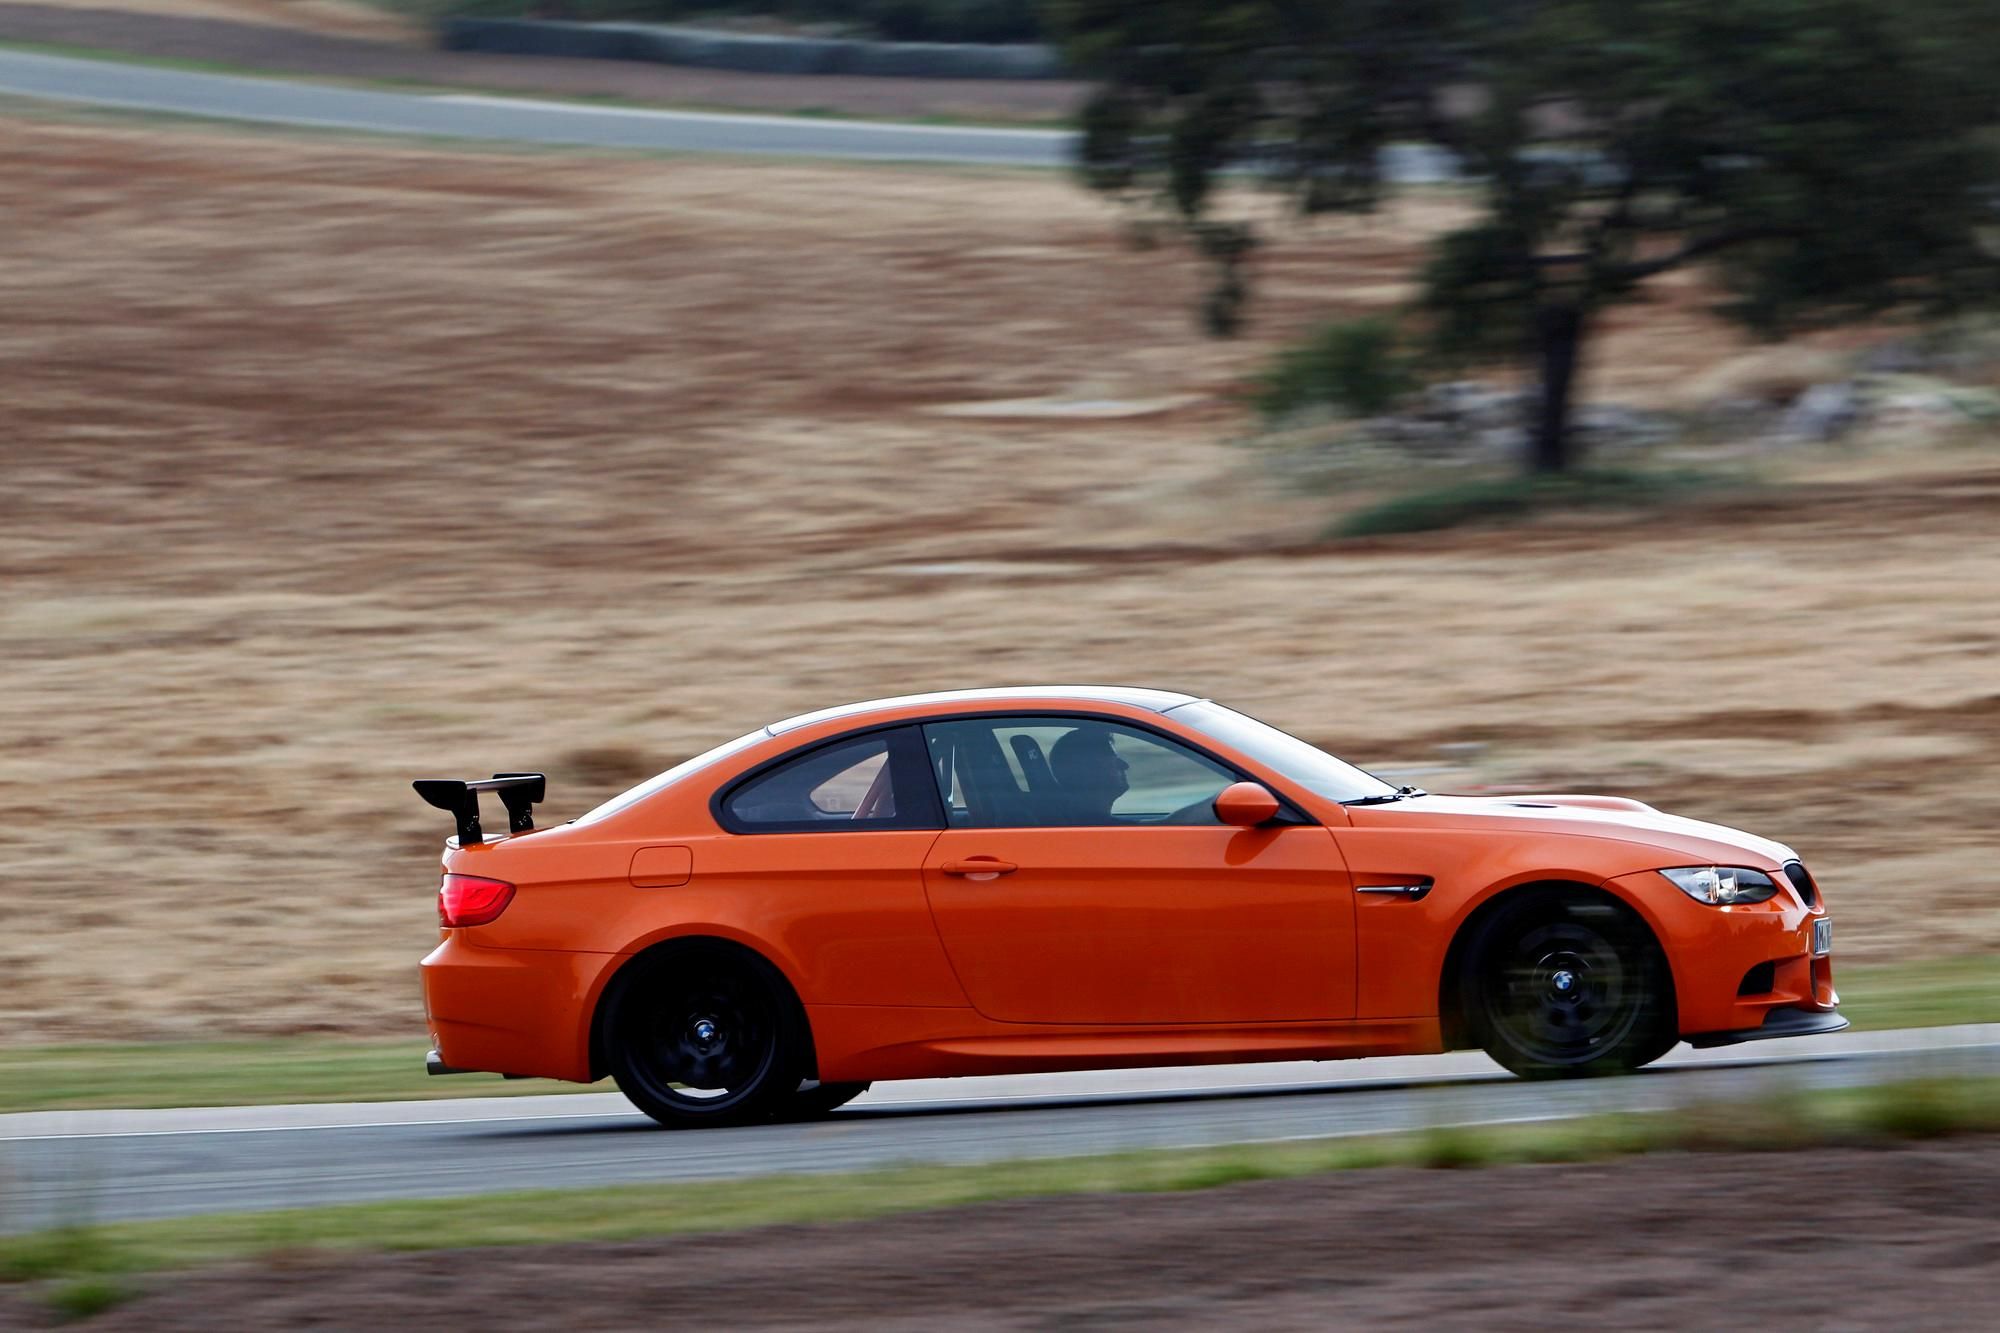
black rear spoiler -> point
(519, 792)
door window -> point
(1029, 772)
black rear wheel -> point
(1559, 985)
(810, 1103)
(703, 1035)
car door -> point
(1082, 877)
(822, 855)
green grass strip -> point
(323, 1069)
(257, 1072)
(63, 1259)
(1937, 992)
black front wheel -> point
(1562, 985)
(703, 1035)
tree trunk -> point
(1559, 331)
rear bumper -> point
(434, 1064)
(524, 1012)
(1777, 1023)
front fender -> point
(1403, 943)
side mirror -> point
(1245, 804)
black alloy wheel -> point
(1563, 986)
(704, 1035)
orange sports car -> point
(1010, 880)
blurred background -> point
(1506, 395)
(335, 460)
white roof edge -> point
(1133, 696)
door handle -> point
(979, 867)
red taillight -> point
(469, 900)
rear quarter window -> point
(848, 785)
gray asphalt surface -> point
(107, 1166)
(279, 102)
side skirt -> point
(863, 1044)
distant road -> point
(462, 116)
(113, 1165)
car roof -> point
(1158, 701)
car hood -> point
(1679, 840)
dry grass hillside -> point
(328, 465)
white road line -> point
(286, 1129)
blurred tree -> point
(1827, 159)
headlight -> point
(1722, 885)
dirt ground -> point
(1843, 1238)
(329, 465)
(329, 39)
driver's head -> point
(1088, 768)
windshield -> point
(672, 775)
(1308, 765)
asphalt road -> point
(454, 116)
(116, 1165)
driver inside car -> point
(1090, 774)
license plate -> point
(1822, 937)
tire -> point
(820, 1099)
(1563, 985)
(703, 1035)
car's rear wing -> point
(519, 792)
